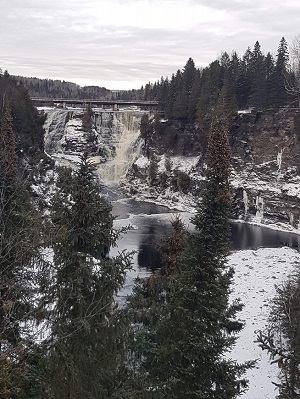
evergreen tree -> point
(26, 122)
(185, 324)
(153, 169)
(19, 237)
(8, 157)
(293, 83)
(257, 78)
(171, 98)
(269, 70)
(85, 344)
(243, 84)
(179, 97)
(199, 326)
(281, 337)
(193, 100)
(211, 84)
(146, 306)
(280, 75)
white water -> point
(246, 202)
(259, 208)
(126, 129)
(116, 146)
(54, 129)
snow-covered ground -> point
(256, 274)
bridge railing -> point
(94, 101)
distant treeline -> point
(252, 80)
(48, 88)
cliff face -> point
(170, 169)
(265, 164)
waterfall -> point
(291, 219)
(55, 128)
(113, 143)
(259, 208)
(279, 162)
(126, 134)
(246, 202)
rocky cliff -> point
(265, 166)
(168, 165)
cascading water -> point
(126, 132)
(113, 143)
(54, 128)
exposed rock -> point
(265, 164)
(265, 159)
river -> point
(150, 222)
(257, 272)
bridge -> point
(115, 104)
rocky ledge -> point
(265, 170)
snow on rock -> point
(265, 176)
(183, 163)
(245, 111)
(142, 162)
(291, 189)
(256, 274)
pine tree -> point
(8, 159)
(258, 78)
(183, 323)
(153, 169)
(19, 238)
(243, 84)
(281, 337)
(199, 325)
(269, 69)
(280, 75)
(146, 306)
(85, 344)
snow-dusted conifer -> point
(85, 322)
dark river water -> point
(151, 222)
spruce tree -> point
(184, 325)
(85, 343)
(200, 325)
(146, 306)
(280, 75)
(153, 169)
(258, 78)
(19, 236)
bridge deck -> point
(77, 101)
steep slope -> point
(265, 165)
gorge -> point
(265, 164)
(264, 181)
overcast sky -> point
(122, 44)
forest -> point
(62, 332)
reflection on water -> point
(148, 253)
(152, 222)
(245, 236)
(242, 236)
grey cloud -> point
(55, 39)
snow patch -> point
(142, 162)
(256, 273)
